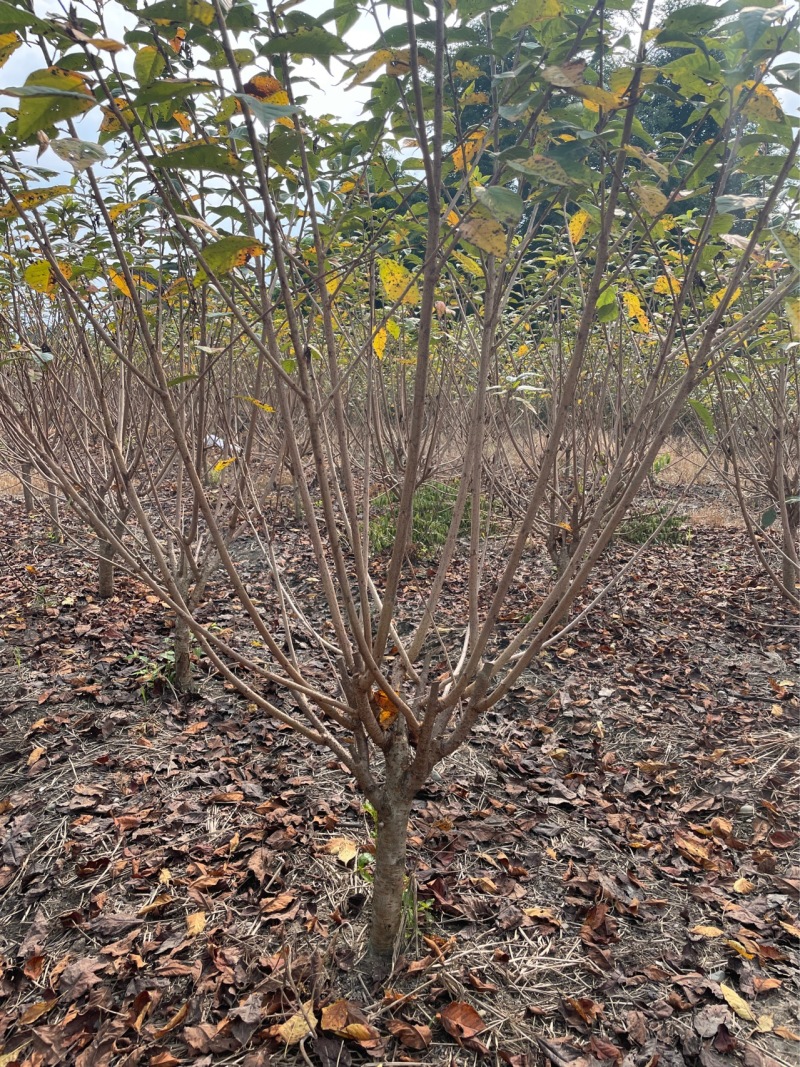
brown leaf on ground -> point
(411, 1035)
(460, 1020)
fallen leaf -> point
(410, 1035)
(739, 1005)
(460, 1020)
(295, 1028)
(343, 848)
(195, 923)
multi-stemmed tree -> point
(483, 281)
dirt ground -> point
(607, 874)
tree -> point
(261, 286)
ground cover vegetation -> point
(374, 421)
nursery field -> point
(607, 873)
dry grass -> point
(716, 517)
(687, 466)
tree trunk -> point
(105, 569)
(183, 661)
(790, 568)
(390, 872)
(53, 508)
(27, 487)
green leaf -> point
(541, 167)
(148, 65)
(267, 113)
(769, 516)
(242, 56)
(211, 157)
(229, 252)
(703, 413)
(790, 243)
(13, 17)
(180, 11)
(527, 13)
(80, 154)
(502, 204)
(739, 203)
(48, 96)
(312, 41)
(174, 89)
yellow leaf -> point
(577, 226)
(452, 218)
(471, 99)
(379, 342)
(467, 71)
(634, 309)
(465, 153)
(42, 278)
(295, 1029)
(765, 1024)
(195, 923)
(667, 285)
(347, 187)
(32, 198)
(739, 948)
(9, 43)
(706, 931)
(259, 403)
(652, 199)
(183, 121)
(383, 55)
(594, 97)
(790, 928)
(107, 44)
(178, 287)
(740, 1006)
(398, 282)
(716, 298)
(487, 234)
(792, 305)
(223, 463)
(757, 101)
(118, 209)
(470, 265)
(117, 279)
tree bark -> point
(390, 872)
(105, 569)
(27, 487)
(790, 566)
(53, 508)
(183, 661)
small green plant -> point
(664, 529)
(432, 515)
(154, 673)
(661, 464)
